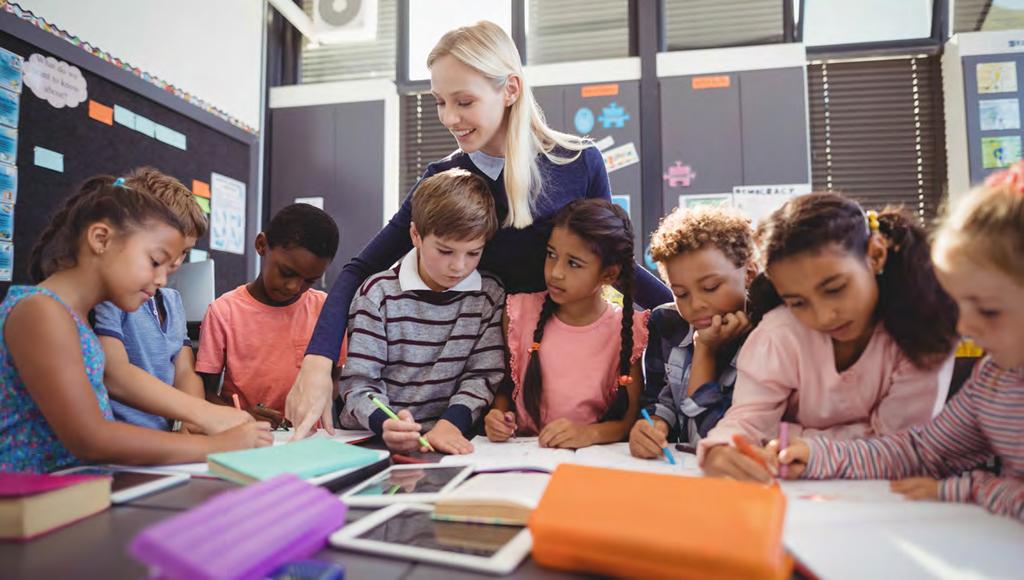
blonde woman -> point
(533, 171)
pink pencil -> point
(783, 443)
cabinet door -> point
(773, 106)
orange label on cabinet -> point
(712, 82)
(600, 90)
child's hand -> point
(647, 441)
(446, 438)
(727, 461)
(723, 330)
(499, 425)
(261, 413)
(244, 436)
(917, 488)
(402, 436)
(217, 418)
(793, 457)
(565, 434)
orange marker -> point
(745, 448)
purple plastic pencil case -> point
(244, 533)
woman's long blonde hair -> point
(486, 48)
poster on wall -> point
(999, 114)
(6, 261)
(999, 152)
(997, 77)
(227, 215)
(11, 67)
(55, 81)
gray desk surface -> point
(96, 547)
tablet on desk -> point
(407, 483)
(407, 531)
(129, 484)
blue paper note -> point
(6, 221)
(145, 126)
(6, 261)
(8, 183)
(198, 255)
(8, 145)
(49, 159)
(171, 137)
(123, 116)
(9, 108)
(11, 70)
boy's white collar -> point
(490, 165)
(409, 277)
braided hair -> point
(606, 229)
(100, 198)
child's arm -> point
(500, 421)
(910, 400)
(185, 378)
(363, 370)
(55, 377)
(565, 433)
(131, 385)
(481, 376)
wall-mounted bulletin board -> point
(66, 115)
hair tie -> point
(872, 218)
(625, 380)
(1012, 178)
(535, 347)
(119, 182)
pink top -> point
(786, 371)
(579, 364)
(259, 347)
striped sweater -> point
(441, 355)
(985, 418)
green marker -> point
(390, 413)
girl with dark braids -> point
(574, 358)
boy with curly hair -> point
(705, 255)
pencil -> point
(668, 454)
(387, 410)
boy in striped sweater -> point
(977, 256)
(425, 337)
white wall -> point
(209, 48)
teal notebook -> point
(307, 458)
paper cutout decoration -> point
(613, 115)
(711, 82)
(100, 112)
(11, 69)
(49, 159)
(203, 202)
(621, 201)
(123, 116)
(583, 120)
(619, 157)
(606, 90)
(145, 126)
(171, 137)
(200, 188)
(679, 175)
(55, 81)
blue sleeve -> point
(715, 403)
(174, 298)
(385, 249)
(648, 290)
(109, 320)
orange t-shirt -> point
(259, 347)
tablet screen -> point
(405, 481)
(123, 479)
(414, 527)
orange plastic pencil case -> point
(634, 524)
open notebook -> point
(523, 453)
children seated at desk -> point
(862, 343)
(148, 349)
(574, 357)
(108, 242)
(978, 257)
(706, 257)
(257, 333)
(425, 336)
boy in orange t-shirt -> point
(257, 333)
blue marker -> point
(668, 454)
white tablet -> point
(407, 531)
(131, 483)
(407, 483)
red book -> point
(33, 504)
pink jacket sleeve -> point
(766, 377)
